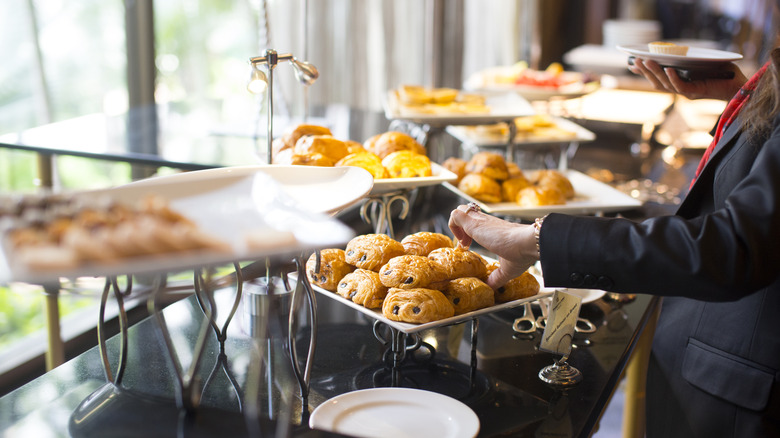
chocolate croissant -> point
(416, 305)
(411, 271)
(459, 262)
(423, 242)
(468, 294)
(333, 267)
(371, 251)
(363, 287)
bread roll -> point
(457, 166)
(511, 187)
(326, 145)
(365, 160)
(407, 164)
(534, 196)
(392, 141)
(554, 179)
(489, 164)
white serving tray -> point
(466, 135)
(591, 197)
(502, 107)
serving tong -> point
(527, 323)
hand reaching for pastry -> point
(514, 244)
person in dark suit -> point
(715, 361)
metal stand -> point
(377, 210)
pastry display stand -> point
(378, 210)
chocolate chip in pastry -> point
(481, 188)
(416, 305)
(423, 242)
(407, 164)
(489, 164)
(411, 271)
(459, 262)
(333, 267)
(371, 251)
(524, 286)
(468, 294)
(363, 287)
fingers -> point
(458, 217)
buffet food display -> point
(420, 281)
(532, 84)
(536, 129)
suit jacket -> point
(715, 363)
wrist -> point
(537, 226)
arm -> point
(666, 79)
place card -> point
(561, 322)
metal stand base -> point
(560, 374)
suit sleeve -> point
(721, 255)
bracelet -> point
(537, 230)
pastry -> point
(514, 170)
(457, 166)
(407, 164)
(416, 305)
(363, 287)
(511, 187)
(365, 160)
(411, 271)
(534, 196)
(468, 294)
(392, 141)
(326, 145)
(423, 242)
(459, 262)
(333, 267)
(480, 187)
(489, 164)
(371, 251)
(666, 48)
(354, 146)
(311, 160)
(555, 179)
(304, 130)
(524, 286)
(285, 156)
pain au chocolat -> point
(416, 305)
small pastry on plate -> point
(468, 294)
(555, 179)
(411, 271)
(489, 164)
(407, 164)
(326, 145)
(423, 242)
(416, 305)
(365, 160)
(457, 166)
(333, 267)
(534, 196)
(667, 48)
(511, 187)
(460, 262)
(514, 170)
(524, 286)
(371, 251)
(310, 160)
(481, 187)
(392, 141)
(363, 287)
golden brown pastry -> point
(411, 271)
(554, 179)
(423, 242)
(310, 160)
(365, 160)
(354, 146)
(460, 262)
(333, 267)
(511, 187)
(326, 145)
(524, 286)
(534, 196)
(407, 164)
(304, 130)
(416, 305)
(285, 156)
(392, 141)
(457, 166)
(371, 251)
(481, 187)
(489, 164)
(468, 294)
(514, 170)
(363, 287)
